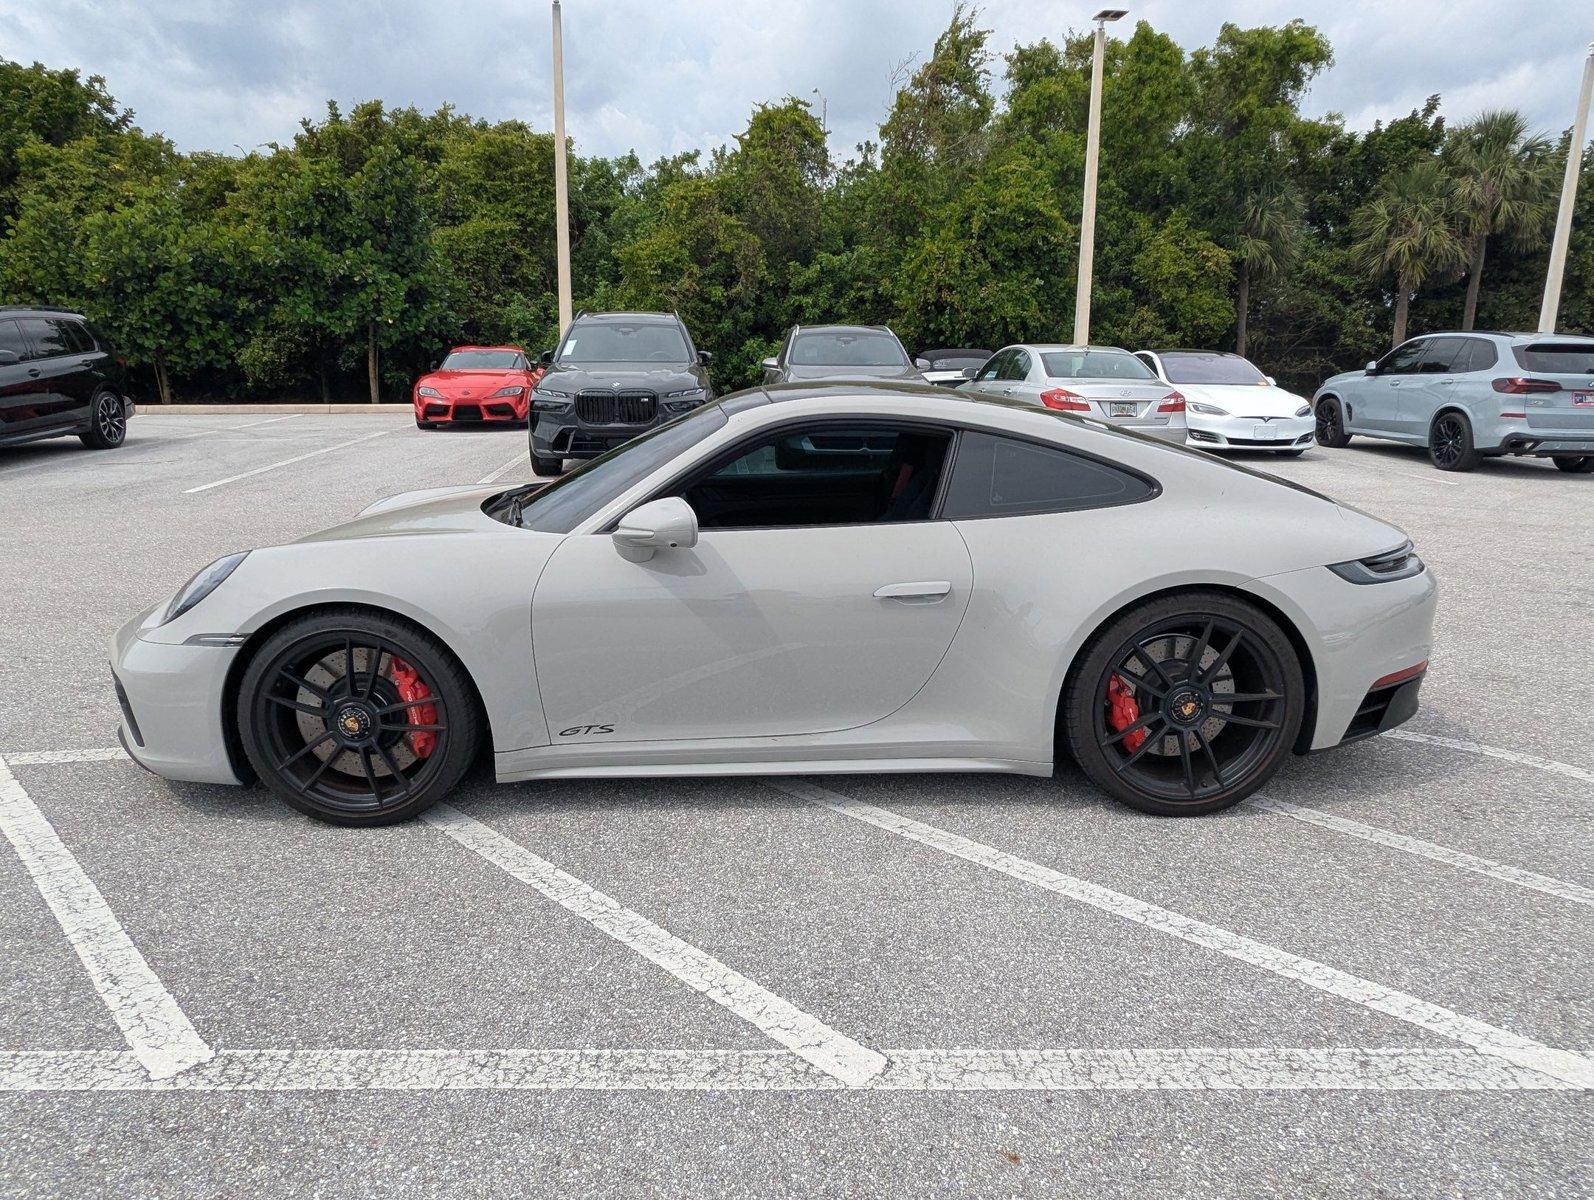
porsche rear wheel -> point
(357, 718)
(1185, 705)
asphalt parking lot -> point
(1374, 981)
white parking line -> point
(1511, 756)
(164, 1042)
(267, 421)
(1524, 1051)
(805, 1035)
(1455, 858)
(519, 460)
(35, 758)
(287, 462)
(1335, 1068)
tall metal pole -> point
(561, 182)
(1563, 219)
(1087, 220)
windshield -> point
(1210, 368)
(1094, 364)
(860, 348)
(1557, 358)
(483, 360)
(958, 361)
(572, 498)
(624, 341)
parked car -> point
(1468, 396)
(815, 578)
(476, 385)
(840, 352)
(613, 376)
(1104, 382)
(59, 376)
(950, 368)
(1229, 403)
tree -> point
(1269, 240)
(1504, 185)
(1411, 229)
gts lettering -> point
(585, 730)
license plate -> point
(1122, 410)
(1583, 398)
(1266, 433)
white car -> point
(826, 577)
(1231, 404)
(1104, 382)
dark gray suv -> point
(614, 375)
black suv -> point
(58, 375)
(615, 375)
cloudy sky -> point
(665, 75)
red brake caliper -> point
(1124, 711)
(410, 688)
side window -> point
(1020, 367)
(1479, 356)
(1441, 356)
(1403, 359)
(46, 336)
(11, 339)
(993, 366)
(1003, 477)
(75, 336)
(823, 474)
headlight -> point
(1304, 410)
(201, 585)
(427, 391)
(542, 391)
(1399, 563)
(694, 393)
(550, 401)
(509, 391)
(1206, 410)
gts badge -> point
(586, 730)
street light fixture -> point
(1087, 220)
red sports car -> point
(476, 385)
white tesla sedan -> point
(807, 578)
(1229, 403)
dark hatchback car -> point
(614, 375)
(59, 376)
(840, 352)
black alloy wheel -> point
(357, 718)
(1450, 445)
(1330, 422)
(1186, 705)
(1580, 465)
(107, 422)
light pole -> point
(561, 182)
(1087, 219)
(1563, 219)
(824, 114)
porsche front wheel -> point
(1185, 705)
(357, 718)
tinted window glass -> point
(823, 474)
(624, 341)
(993, 365)
(1557, 358)
(1094, 364)
(956, 361)
(1441, 356)
(11, 338)
(484, 360)
(1403, 359)
(46, 336)
(1001, 477)
(1016, 366)
(570, 499)
(850, 348)
(1210, 368)
(1481, 356)
(73, 334)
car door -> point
(24, 396)
(1015, 378)
(985, 379)
(1376, 407)
(810, 615)
(65, 387)
(1421, 395)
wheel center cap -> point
(353, 722)
(1186, 706)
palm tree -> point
(1503, 184)
(1269, 242)
(1411, 228)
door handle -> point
(1446, 382)
(930, 590)
(34, 372)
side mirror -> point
(545, 358)
(1271, 382)
(970, 372)
(1372, 368)
(922, 363)
(667, 524)
(705, 357)
(769, 364)
(9, 358)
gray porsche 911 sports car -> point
(807, 578)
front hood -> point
(1342, 378)
(841, 372)
(432, 510)
(1243, 399)
(653, 377)
(476, 383)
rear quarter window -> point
(1005, 477)
(1557, 358)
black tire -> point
(1330, 430)
(1581, 465)
(107, 422)
(1450, 445)
(333, 750)
(1199, 755)
(547, 467)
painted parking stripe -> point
(805, 1035)
(1511, 756)
(1332, 1068)
(520, 459)
(35, 758)
(1398, 841)
(287, 462)
(163, 1040)
(1524, 1051)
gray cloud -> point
(665, 77)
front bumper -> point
(172, 699)
(561, 434)
(1249, 433)
(488, 410)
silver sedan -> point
(1104, 382)
(808, 578)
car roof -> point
(949, 351)
(1185, 350)
(1046, 347)
(654, 318)
(475, 346)
(798, 330)
(46, 310)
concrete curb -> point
(284, 410)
